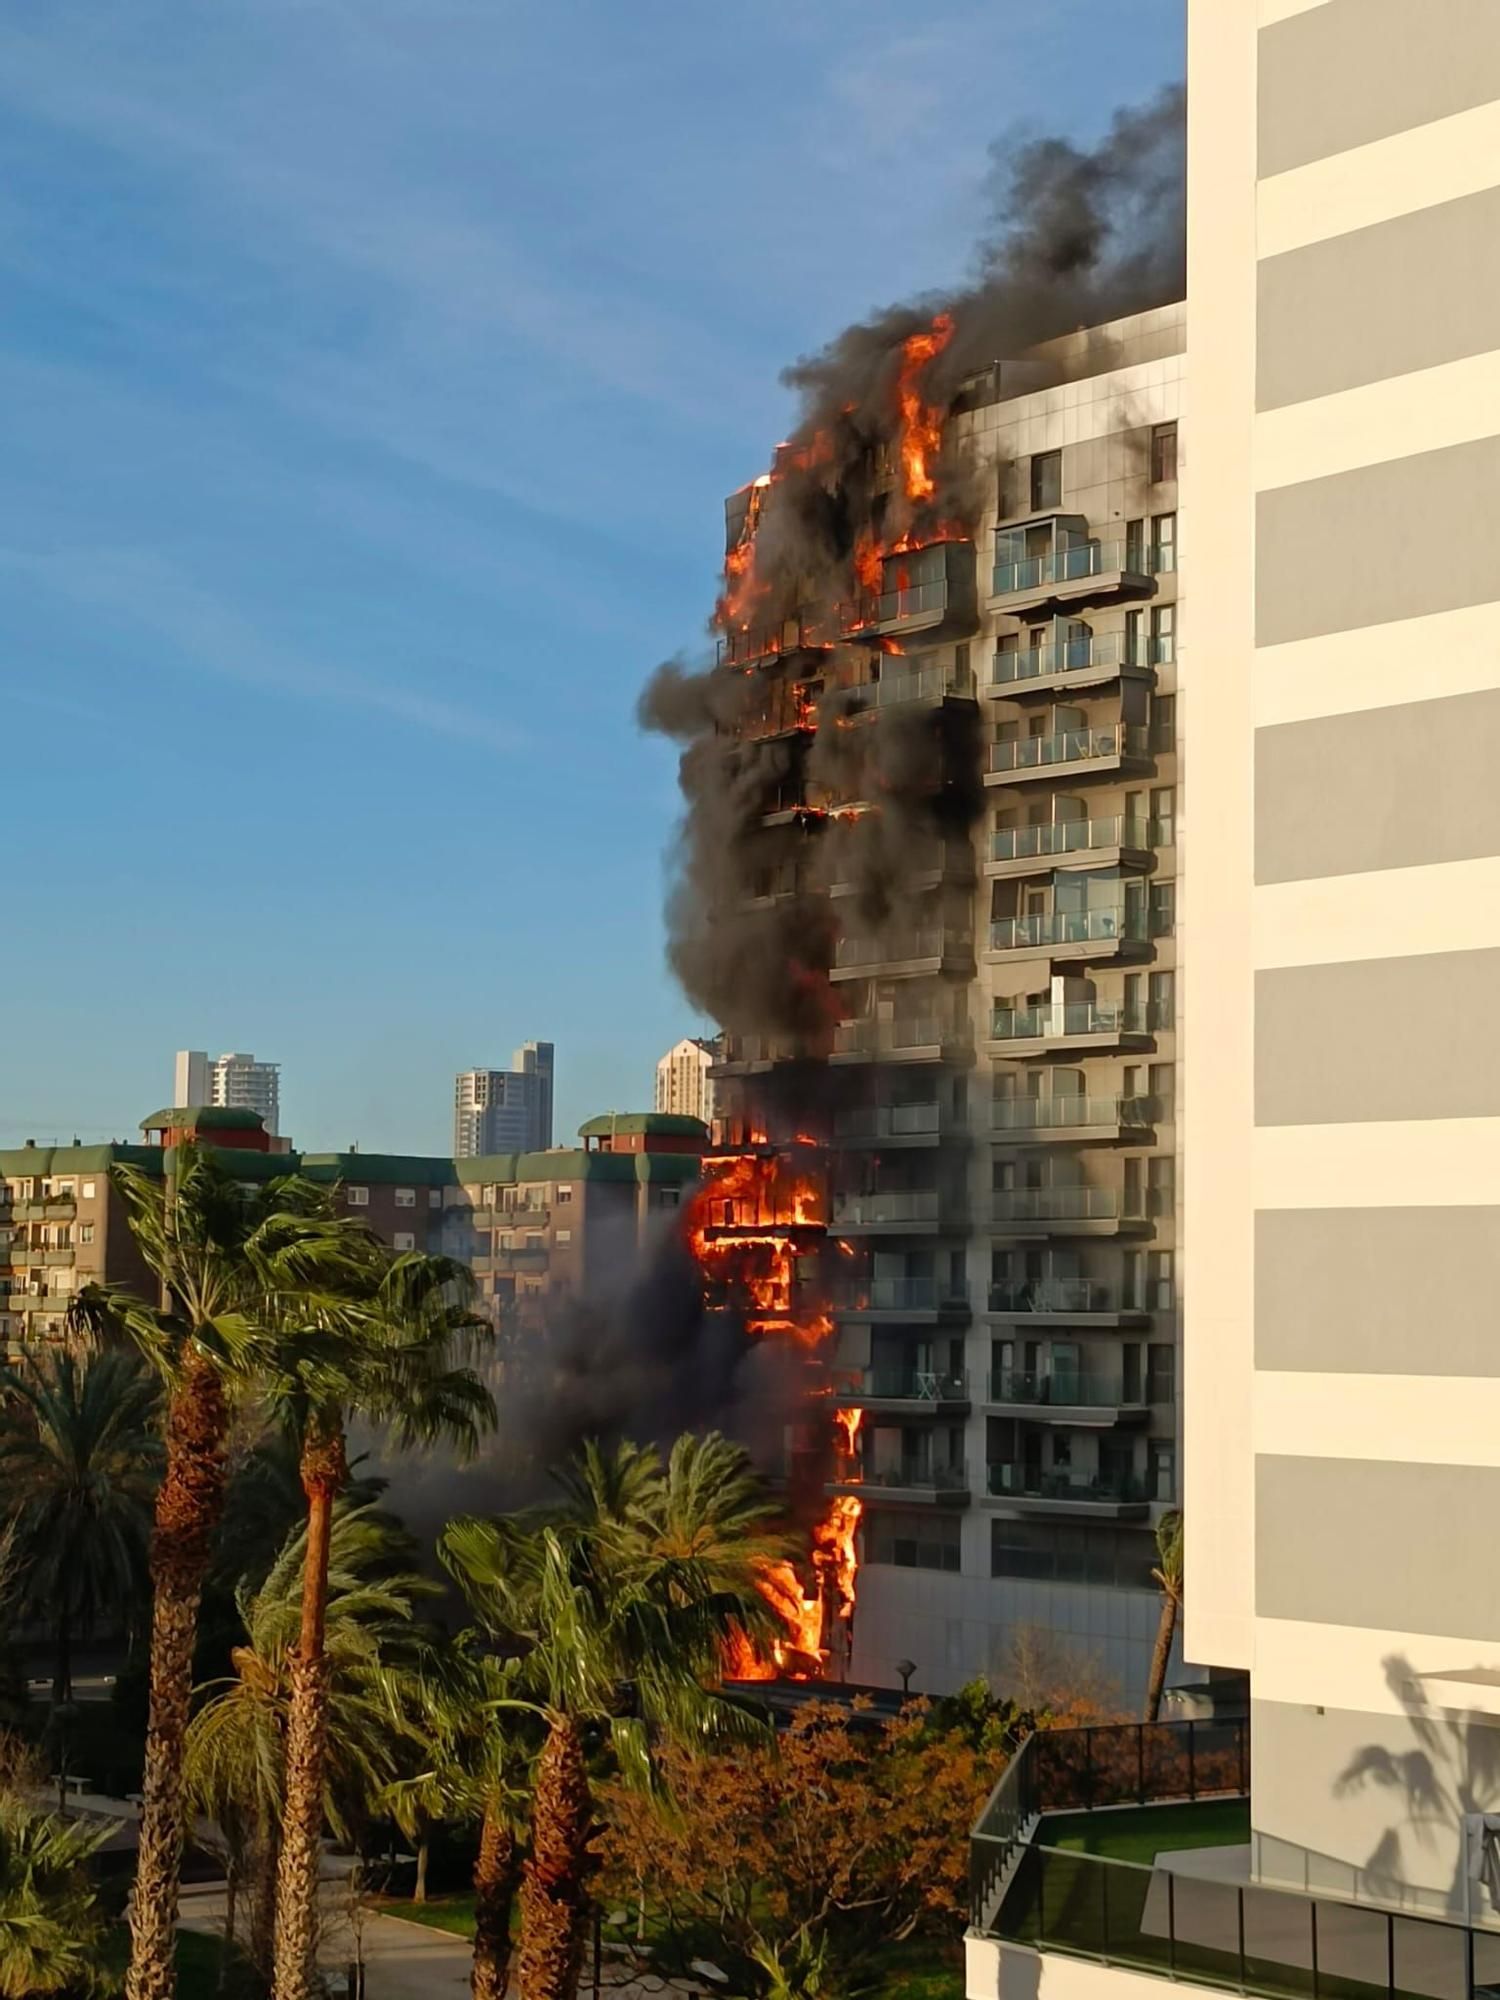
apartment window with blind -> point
(1163, 452)
(1046, 481)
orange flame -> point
(921, 422)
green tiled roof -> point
(666, 1124)
(204, 1118)
(382, 1169)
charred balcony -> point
(905, 1211)
(918, 1299)
(925, 864)
(800, 637)
(905, 955)
(916, 1038)
(930, 591)
(1053, 560)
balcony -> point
(56, 1208)
(794, 635)
(929, 590)
(921, 1038)
(1113, 841)
(523, 1216)
(1056, 562)
(1120, 749)
(912, 1300)
(921, 687)
(1064, 1395)
(1077, 1301)
(1118, 931)
(1105, 1496)
(919, 954)
(1070, 1024)
(924, 863)
(914, 1480)
(1090, 661)
(892, 1125)
(1066, 1211)
(1077, 1119)
(896, 1212)
(1194, 1915)
(749, 1055)
(903, 1391)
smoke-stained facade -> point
(926, 886)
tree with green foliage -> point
(50, 1928)
(80, 1456)
(354, 1327)
(235, 1750)
(618, 1638)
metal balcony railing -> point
(896, 1205)
(898, 1295)
(1074, 1017)
(924, 683)
(1049, 1295)
(1061, 927)
(897, 950)
(1026, 663)
(1062, 1204)
(871, 1037)
(1051, 1114)
(1026, 1482)
(1071, 746)
(1075, 564)
(904, 1385)
(914, 1475)
(1071, 836)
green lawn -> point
(439, 1913)
(1140, 1833)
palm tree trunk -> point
(323, 1474)
(495, 1875)
(188, 1505)
(62, 1664)
(263, 1901)
(419, 1893)
(1161, 1655)
(553, 1905)
(231, 1901)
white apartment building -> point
(505, 1110)
(234, 1080)
(684, 1079)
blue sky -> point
(373, 373)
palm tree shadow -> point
(1452, 1769)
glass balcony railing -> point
(1061, 1204)
(924, 683)
(914, 1294)
(1071, 836)
(888, 1121)
(1031, 1482)
(1060, 1386)
(897, 1205)
(1116, 925)
(1051, 1295)
(917, 600)
(904, 1385)
(899, 950)
(867, 1037)
(916, 1475)
(1027, 663)
(1074, 564)
(1057, 1020)
(1050, 1114)
(1070, 746)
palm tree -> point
(79, 1460)
(193, 1229)
(616, 1638)
(476, 1767)
(356, 1328)
(235, 1761)
(49, 1930)
(1167, 1577)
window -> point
(668, 1197)
(562, 1236)
(1161, 1458)
(63, 1189)
(85, 1232)
(564, 1193)
(1162, 903)
(1164, 544)
(1159, 1281)
(406, 1197)
(357, 1197)
(1135, 638)
(1163, 452)
(1165, 635)
(1161, 1184)
(1161, 1372)
(434, 1197)
(1135, 547)
(1162, 1083)
(1163, 721)
(912, 1539)
(1161, 1000)
(1164, 816)
(404, 1240)
(1046, 480)
(1052, 1553)
(87, 1190)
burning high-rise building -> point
(927, 889)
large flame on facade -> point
(921, 432)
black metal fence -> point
(1240, 1935)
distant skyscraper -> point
(235, 1080)
(505, 1110)
(684, 1083)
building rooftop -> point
(204, 1118)
(674, 1124)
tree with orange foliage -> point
(850, 1828)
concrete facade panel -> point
(1337, 1290)
(1396, 540)
(1354, 71)
(1334, 795)
(1383, 1039)
(1375, 1543)
(1329, 317)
